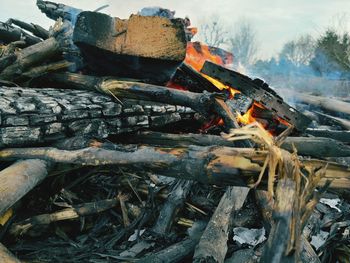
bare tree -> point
(213, 32)
(300, 51)
(243, 43)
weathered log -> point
(308, 146)
(141, 47)
(178, 251)
(212, 246)
(204, 103)
(10, 34)
(76, 211)
(171, 206)
(37, 116)
(36, 30)
(325, 103)
(344, 123)
(259, 91)
(342, 136)
(210, 165)
(31, 56)
(6, 256)
(18, 179)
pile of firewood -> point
(122, 140)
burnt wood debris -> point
(124, 141)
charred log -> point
(6, 256)
(40, 116)
(10, 34)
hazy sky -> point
(276, 21)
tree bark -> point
(36, 30)
(10, 34)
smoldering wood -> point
(141, 47)
(31, 56)
(76, 211)
(308, 146)
(342, 136)
(259, 91)
(171, 206)
(18, 179)
(204, 103)
(6, 256)
(212, 246)
(40, 116)
(36, 30)
(209, 165)
(9, 33)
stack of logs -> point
(90, 121)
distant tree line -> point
(327, 55)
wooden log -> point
(204, 103)
(6, 256)
(22, 227)
(259, 91)
(141, 47)
(10, 34)
(212, 246)
(18, 179)
(342, 136)
(30, 56)
(42, 116)
(210, 165)
(36, 30)
(308, 146)
(171, 206)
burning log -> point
(36, 30)
(6, 256)
(142, 47)
(209, 165)
(37, 116)
(18, 179)
(203, 103)
(212, 246)
(259, 91)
